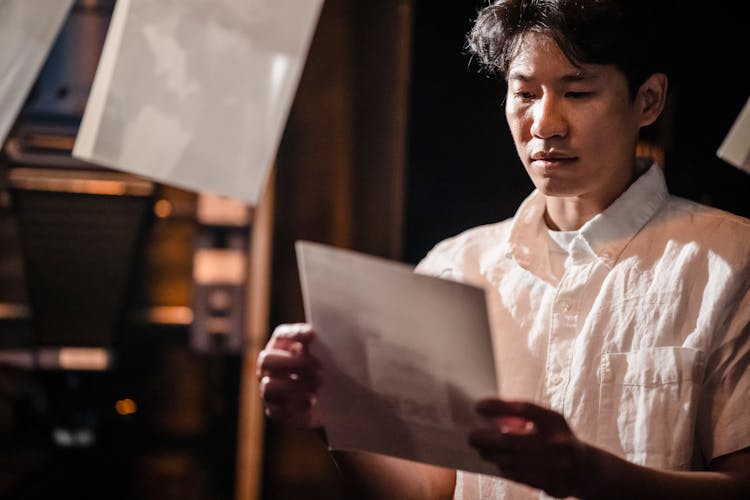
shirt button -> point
(556, 380)
(565, 305)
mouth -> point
(552, 160)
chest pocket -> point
(648, 405)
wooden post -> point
(250, 422)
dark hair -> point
(632, 35)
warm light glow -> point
(166, 315)
(223, 266)
(220, 210)
(79, 181)
(51, 141)
(83, 358)
(125, 406)
(13, 310)
(163, 208)
(653, 151)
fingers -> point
(492, 441)
(545, 455)
(286, 396)
(286, 364)
(291, 336)
(526, 458)
(289, 376)
(275, 390)
(495, 407)
(545, 421)
(288, 352)
(298, 412)
(520, 446)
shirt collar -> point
(604, 236)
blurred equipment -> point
(220, 269)
(79, 229)
(122, 306)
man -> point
(620, 314)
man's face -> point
(575, 128)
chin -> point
(556, 188)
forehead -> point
(537, 56)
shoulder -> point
(708, 226)
(707, 214)
(460, 256)
(703, 236)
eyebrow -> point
(578, 76)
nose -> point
(549, 118)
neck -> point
(571, 212)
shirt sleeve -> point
(438, 263)
(724, 414)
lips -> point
(552, 156)
(552, 161)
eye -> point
(524, 95)
(579, 95)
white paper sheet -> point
(28, 29)
(404, 355)
(196, 93)
(735, 149)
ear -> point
(651, 98)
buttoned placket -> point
(565, 323)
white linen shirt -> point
(641, 339)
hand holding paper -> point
(404, 357)
(289, 376)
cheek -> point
(613, 135)
(517, 122)
(614, 119)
